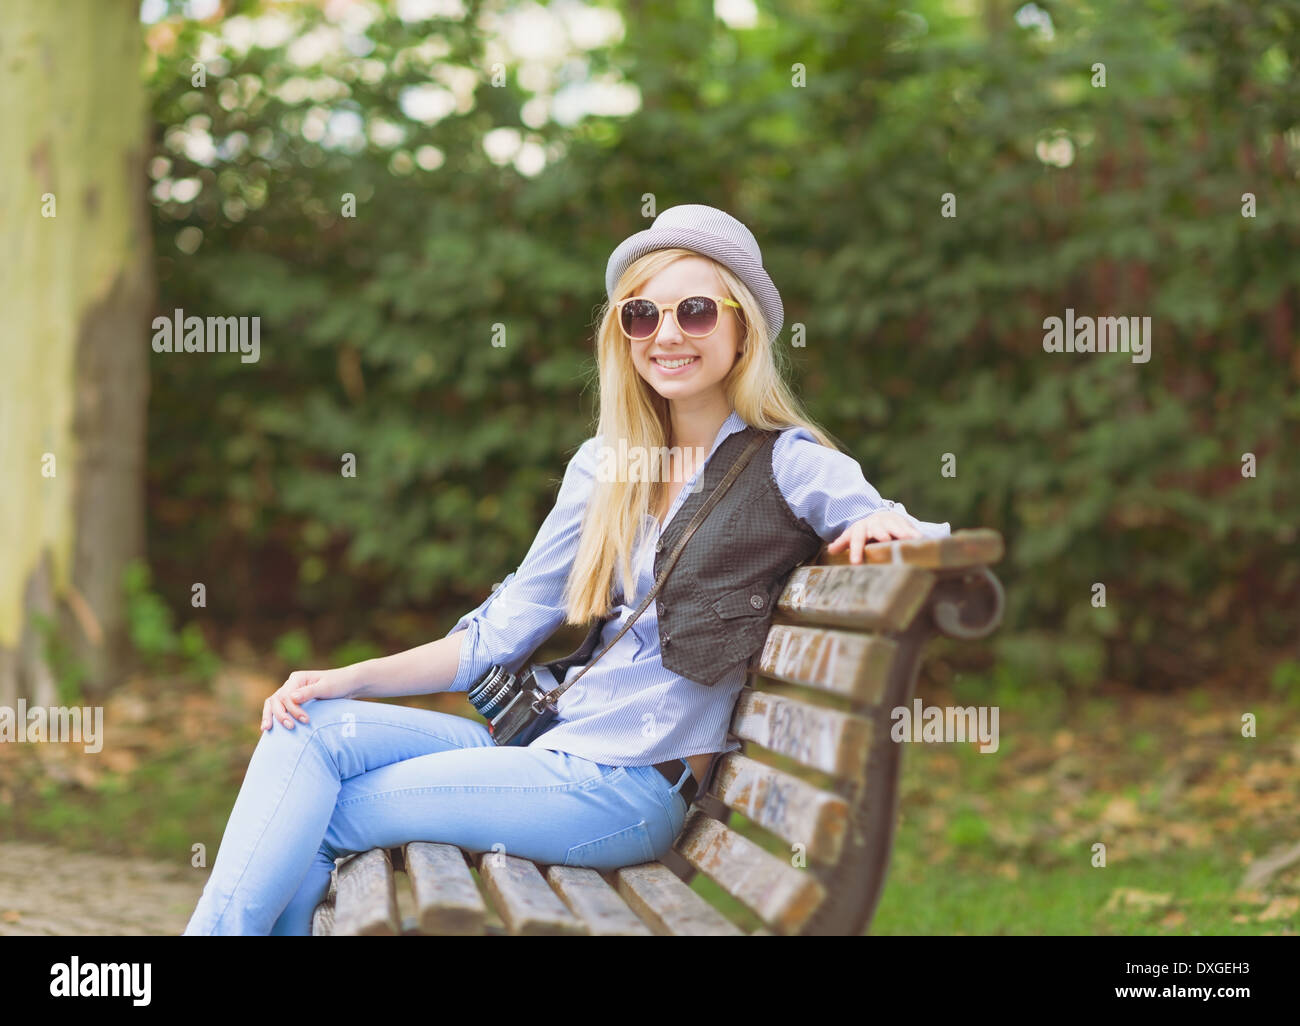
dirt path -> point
(48, 890)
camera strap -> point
(741, 461)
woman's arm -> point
(827, 490)
(417, 671)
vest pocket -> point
(746, 613)
(751, 600)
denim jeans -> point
(364, 775)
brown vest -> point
(716, 606)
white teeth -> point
(675, 363)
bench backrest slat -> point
(781, 895)
(863, 597)
(844, 663)
(822, 739)
(783, 804)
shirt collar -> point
(730, 426)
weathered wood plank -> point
(447, 900)
(522, 899)
(595, 902)
(367, 897)
(780, 895)
(863, 597)
(654, 892)
(322, 920)
(978, 547)
(840, 662)
(791, 808)
(820, 738)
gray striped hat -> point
(714, 233)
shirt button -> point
(756, 601)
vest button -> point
(659, 546)
(756, 601)
(667, 638)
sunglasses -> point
(697, 316)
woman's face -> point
(658, 358)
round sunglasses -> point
(697, 316)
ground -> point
(80, 894)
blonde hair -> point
(629, 408)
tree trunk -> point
(76, 276)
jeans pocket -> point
(626, 847)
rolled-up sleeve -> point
(526, 608)
(826, 488)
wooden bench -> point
(816, 779)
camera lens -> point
(492, 692)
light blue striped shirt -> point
(628, 710)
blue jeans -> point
(364, 775)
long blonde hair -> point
(629, 408)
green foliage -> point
(294, 648)
(151, 629)
(1285, 680)
(924, 333)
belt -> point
(672, 771)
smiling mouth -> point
(673, 364)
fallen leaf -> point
(1121, 812)
(1280, 908)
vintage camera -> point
(513, 704)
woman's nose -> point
(666, 333)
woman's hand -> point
(882, 525)
(302, 686)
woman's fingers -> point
(284, 704)
(292, 706)
(883, 526)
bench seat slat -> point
(447, 901)
(366, 904)
(863, 597)
(779, 894)
(522, 898)
(822, 739)
(791, 808)
(855, 666)
(595, 902)
(671, 908)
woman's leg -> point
(542, 805)
(274, 834)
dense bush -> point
(924, 333)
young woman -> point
(687, 364)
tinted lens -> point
(697, 315)
(640, 318)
